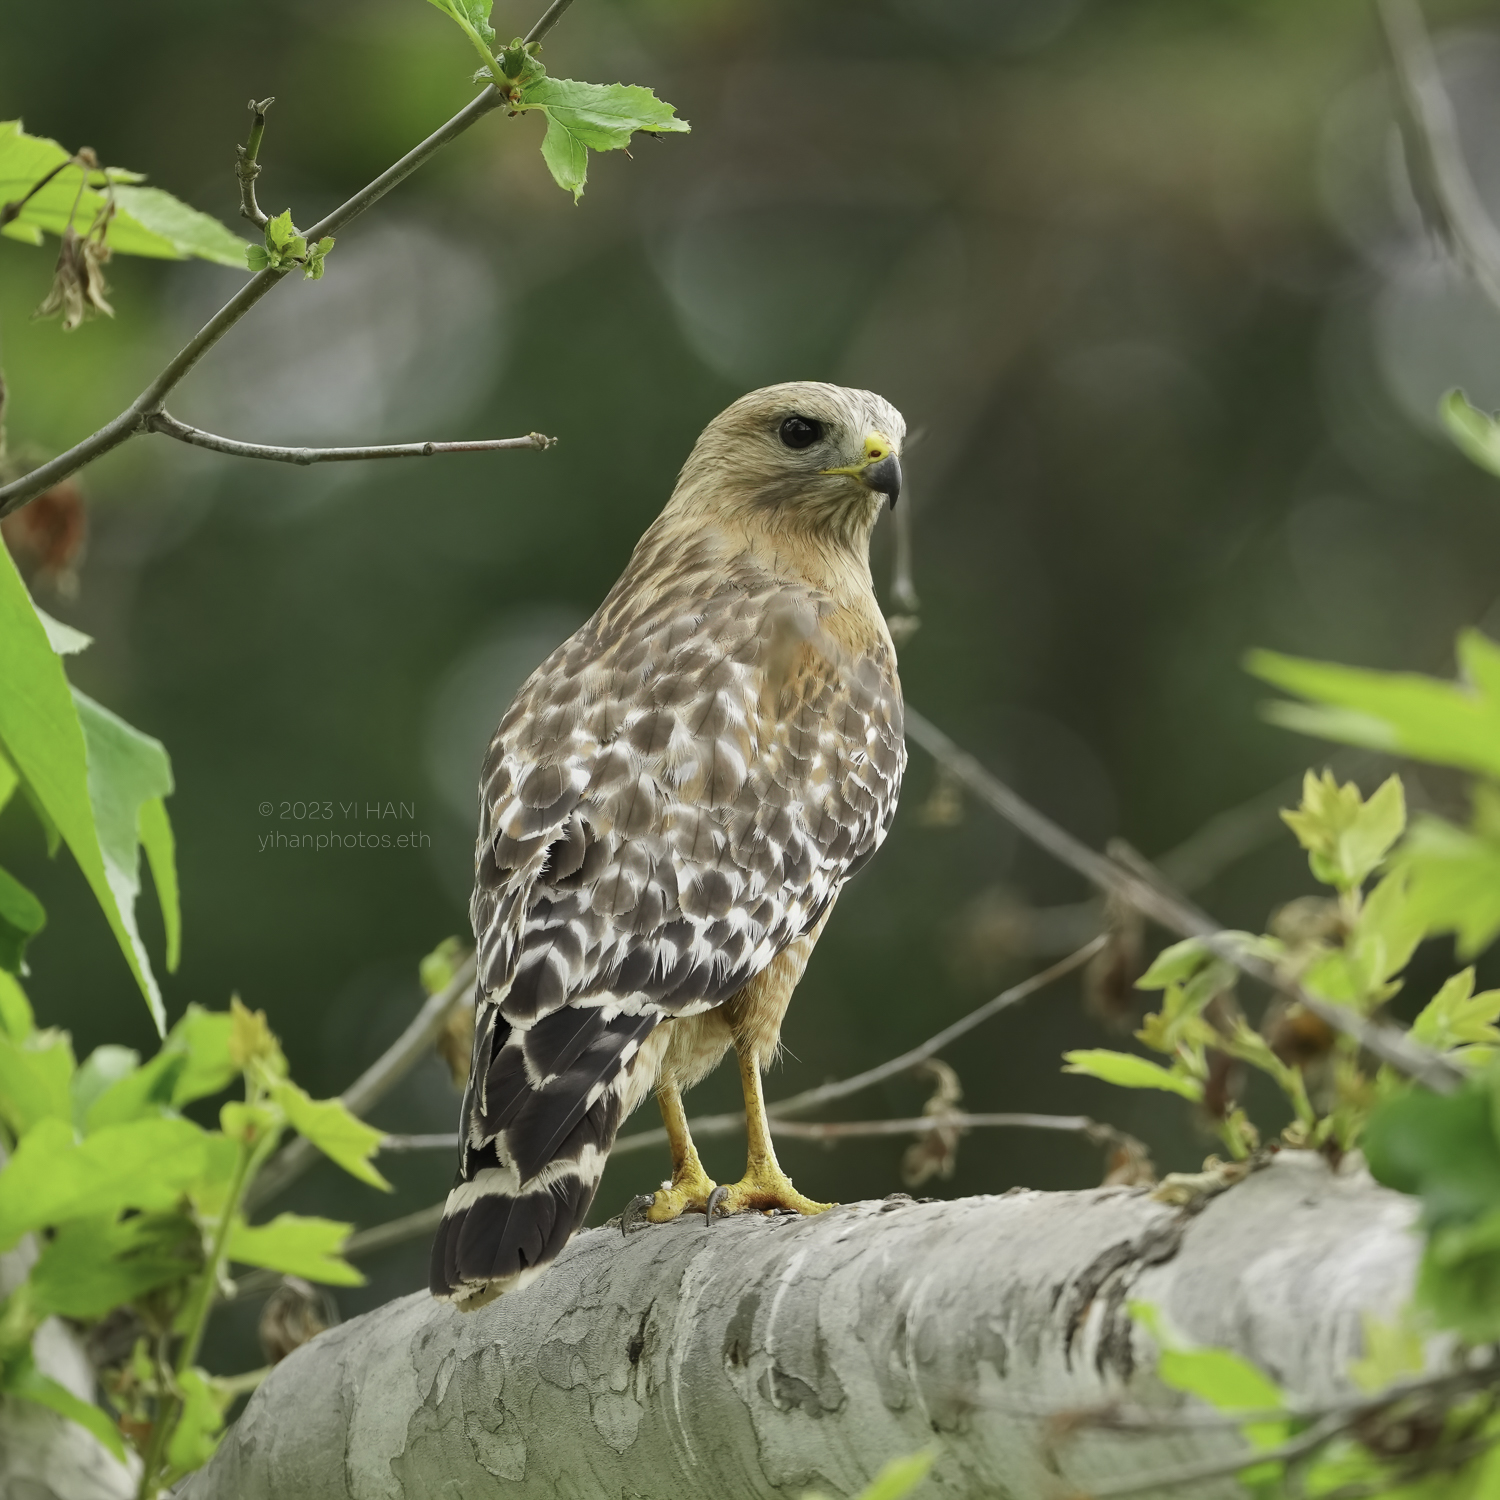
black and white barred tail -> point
(541, 1111)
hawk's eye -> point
(800, 432)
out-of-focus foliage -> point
(47, 190)
(140, 1211)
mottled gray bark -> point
(763, 1357)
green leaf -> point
(1345, 836)
(127, 771)
(103, 1068)
(1459, 1279)
(147, 221)
(437, 969)
(34, 1080)
(1475, 432)
(1174, 964)
(1456, 1016)
(196, 1435)
(1453, 724)
(896, 1479)
(142, 1094)
(91, 1266)
(43, 739)
(1441, 1148)
(146, 1164)
(1455, 882)
(30, 1384)
(313, 270)
(1393, 1351)
(206, 1037)
(16, 1019)
(155, 831)
(584, 117)
(190, 234)
(21, 918)
(339, 1135)
(297, 1245)
(1131, 1072)
(1218, 1376)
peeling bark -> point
(764, 1357)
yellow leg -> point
(764, 1185)
(690, 1184)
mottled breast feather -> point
(676, 794)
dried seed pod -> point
(294, 1314)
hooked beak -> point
(879, 470)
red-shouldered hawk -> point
(668, 812)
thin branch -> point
(838, 1130)
(376, 1081)
(247, 167)
(12, 210)
(1154, 897)
(1220, 1468)
(550, 17)
(1434, 150)
(443, 1140)
(164, 422)
(132, 420)
(826, 1093)
(397, 1232)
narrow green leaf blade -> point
(44, 741)
(1131, 1072)
(1445, 722)
(21, 918)
(1476, 433)
(189, 232)
(127, 769)
(155, 831)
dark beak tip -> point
(884, 478)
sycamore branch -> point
(773, 1355)
(164, 422)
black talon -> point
(715, 1198)
(633, 1210)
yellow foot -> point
(690, 1190)
(672, 1199)
(765, 1188)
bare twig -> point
(164, 422)
(247, 167)
(838, 1130)
(1435, 157)
(397, 1232)
(377, 1080)
(1215, 1468)
(550, 17)
(1154, 897)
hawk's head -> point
(799, 456)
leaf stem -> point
(250, 1159)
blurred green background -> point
(1146, 279)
